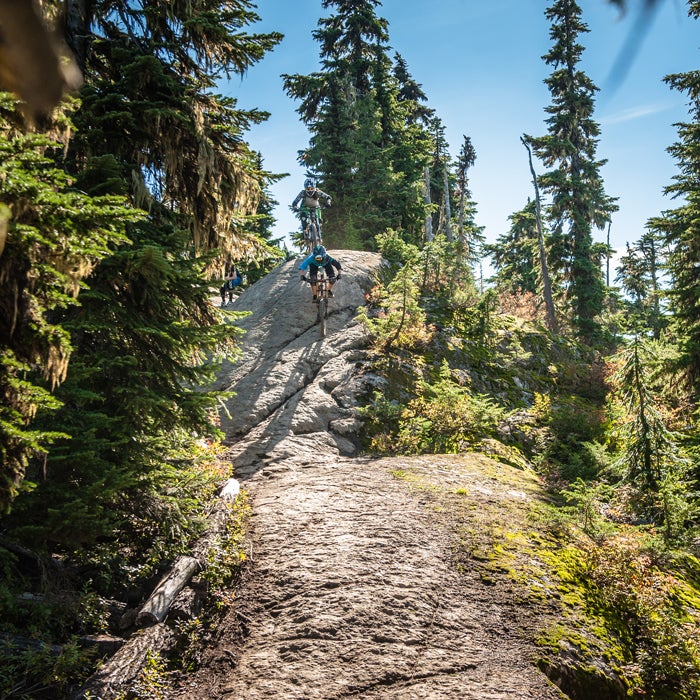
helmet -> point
(309, 184)
(319, 250)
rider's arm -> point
(298, 199)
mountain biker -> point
(310, 196)
(232, 279)
(319, 258)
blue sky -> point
(480, 65)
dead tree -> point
(546, 283)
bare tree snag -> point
(546, 284)
(428, 225)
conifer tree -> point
(145, 334)
(652, 458)
(578, 199)
(681, 226)
(514, 254)
(55, 236)
(639, 274)
(360, 128)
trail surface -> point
(352, 590)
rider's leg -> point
(331, 279)
(313, 278)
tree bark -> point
(428, 226)
(447, 223)
(121, 671)
(156, 607)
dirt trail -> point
(351, 590)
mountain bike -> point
(322, 289)
(312, 230)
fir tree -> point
(579, 202)
(55, 236)
(361, 129)
(146, 336)
(681, 226)
(514, 254)
(639, 274)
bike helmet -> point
(319, 250)
(309, 184)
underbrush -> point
(54, 604)
(613, 556)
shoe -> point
(223, 303)
(315, 297)
(330, 293)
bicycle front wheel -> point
(323, 314)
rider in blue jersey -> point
(319, 258)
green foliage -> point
(639, 273)
(586, 500)
(368, 148)
(515, 253)
(663, 631)
(399, 325)
(56, 235)
(679, 227)
(579, 202)
(36, 671)
(444, 417)
(651, 456)
(150, 684)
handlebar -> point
(335, 278)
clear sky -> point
(480, 65)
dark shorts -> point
(313, 271)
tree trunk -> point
(187, 605)
(447, 223)
(546, 284)
(156, 607)
(119, 674)
(428, 226)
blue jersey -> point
(327, 260)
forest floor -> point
(366, 578)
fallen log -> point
(118, 674)
(121, 671)
(156, 607)
(187, 605)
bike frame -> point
(322, 287)
(312, 231)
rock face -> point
(295, 391)
(351, 589)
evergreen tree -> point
(146, 334)
(681, 226)
(361, 128)
(514, 254)
(55, 235)
(639, 274)
(466, 159)
(579, 202)
(651, 458)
